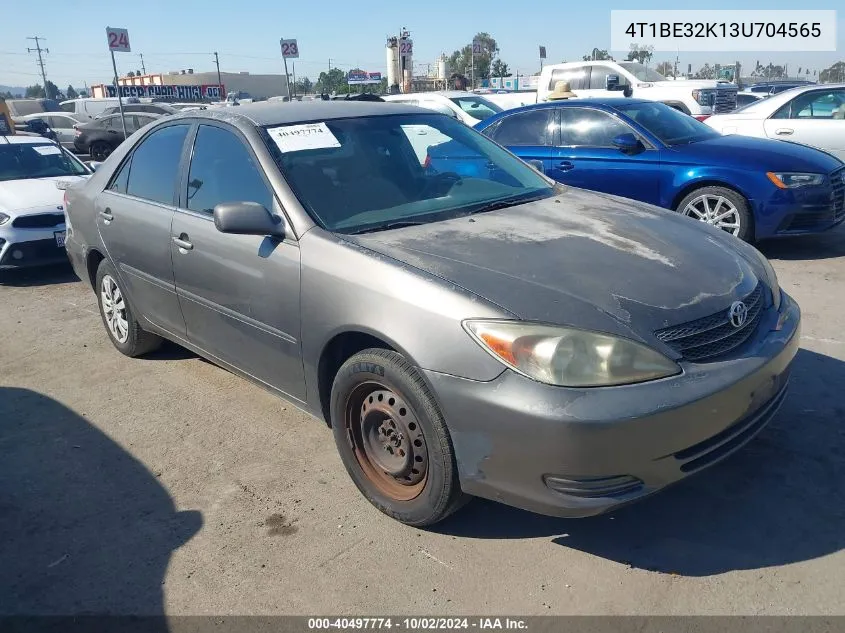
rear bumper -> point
(575, 453)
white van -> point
(87, 108)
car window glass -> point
(598, 77)
(578, 78)
(224, 170)
(818, 104)
(591, 128)
(118, 183)
(524, 128)
(155, 164)
(477, 107)
(69, 107)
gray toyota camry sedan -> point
(471, 332)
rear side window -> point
(223, 170)
(525, 128)
(155, 164)
(578, 78)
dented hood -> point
(583, 259)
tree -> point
(52, 90)
(34, 92)
(834, 74)
(642, 54)
(706, 72)
(7, 95)
(303, 86)
(461, 61)
(500, 69)
(333, 81)
(71, 93)
(597, 53)
(667, 69)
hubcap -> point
(387, 441)
(715, 210)
(114, 309)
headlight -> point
(3, 219)
(704, 97)
(783, 180)
(569, 357)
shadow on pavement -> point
(824, 246)
(85, 528)
(779, 500)
(39, 276)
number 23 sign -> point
(290, 49)
(118, 39)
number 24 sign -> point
(290, 49)
(118, 39)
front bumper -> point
(801, 212)
(23, 248)
(570, 452)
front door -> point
(239, 293)
(134, 215)
(586, 157)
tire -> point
(692, 206)
(381, 409)
(99, 151)
(129, 339)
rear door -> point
(587, 158)
(527, 134)
(815, 117)
(134, 214)
(239, 293)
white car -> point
(32, 217)
(62, 124)
(812, 115)
(467, 107)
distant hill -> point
(15, 90)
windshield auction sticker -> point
(297, 138)
(722, 31)
(47, 150)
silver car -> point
(476, 332)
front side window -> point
(477, 107)
(816, 104)
(69, 107)
(365, 174)
(667, 124)
(155, 165)
(642, 72)
(19, 161)
(589, 128)
(598, 77)
(525, 128)
(224, 170)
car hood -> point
(583, 259)
(17, 196)
(747, 152)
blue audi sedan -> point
(752, 188)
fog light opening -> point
(590, 487)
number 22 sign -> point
(290, 50)
(118, 39)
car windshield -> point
(477, 107)
(669, 125)
(373, 173)
(20, 161)
(642, 72)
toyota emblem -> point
(738, 314)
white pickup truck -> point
(608, 78)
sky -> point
(180, 34)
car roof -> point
(280, 113)
(27, 140)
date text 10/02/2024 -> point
(417, 624)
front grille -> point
(714, 335)
(837, 183)
(39, 221)
(725, 99)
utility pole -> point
(143, 68)
(293, 70)
(217, 61)
(38, 49)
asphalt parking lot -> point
(167, 485)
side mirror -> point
(627, 143)
(94, 165)
(538, 165)
(611, 82)
(247, 218)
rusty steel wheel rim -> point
(387, 441)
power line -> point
(38, 49)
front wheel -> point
(393, 440)
(720, 207)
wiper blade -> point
(388, 225)
(503, 204)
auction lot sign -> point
(176, 93)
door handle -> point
(784, 131)
(182, 242)
(107, 215)
(565, 165)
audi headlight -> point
(569, 357)
(793, 180)
(3, 219)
